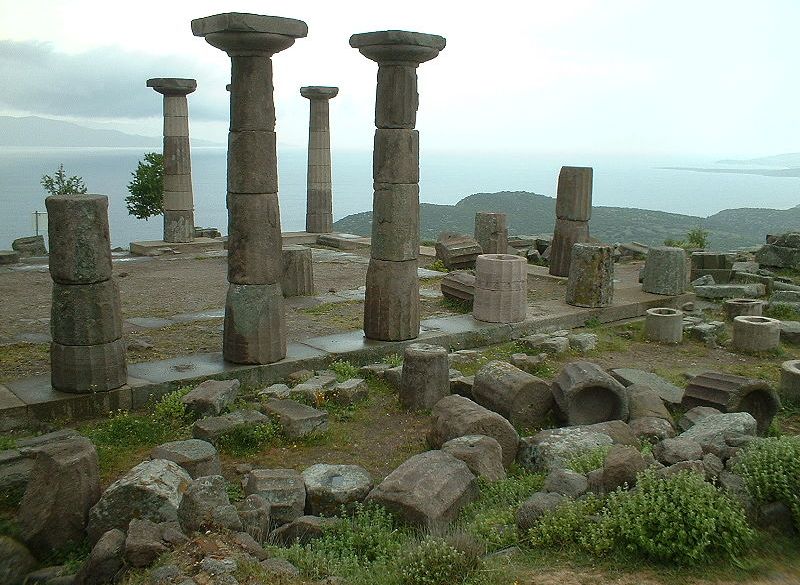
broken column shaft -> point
(319, 204)
(573, 211)
(391, 307)
(255, 324)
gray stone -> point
(651, 429)
(491, 232)
(574, 194)
(552, 449)
(215, 566)
(777, 517)
(87, 314)
(462, 385)
(211, 398)
(663, 325)
(585, 394)
(666, 271)
(457, 251)
(713, 431)
(620, 467)
(197, 457)
(152, 490)
(671, 451)
(754, 333)
(45, 575)
(735, 307)
(350, 392)
(395, 221)
(567, 483)
(591, 276)
(8, 257)
(254, 513)
(790, 381)
(331, 488)
(730, 291)
(64, 485)
(528, 363)
(279, 568)
(250, 545)
(283, 489)
(667, 391)
(713, 466)
(302, 530)
(545, 342)
(16, 561)
(205, 506)
(681, 466)
(85, 369)
(583, 342)
(254, 230)
(425, 377)
(458, 286)
(522, 398)
(778, 256)
(483, 455)
(566, 234)
(704, 280)
(29, 246)
(395, 156)
(297, 420)
(691, 416)
(143, 544)
(455, 416)
(167, 575)
(531, 510)
(643, 402)
(105, 562)
(210, 428)
(297, 276)
(391, 309)
(427, 490)
(790, 332)
(255, 326)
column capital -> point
(172, 86)
(398, 46)
(319, 92)
(239, 33)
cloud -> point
(106, 82)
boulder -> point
(303, 530)
(651, 429)
(714, 431)
(455, 416)
(211, 397)
(483, 455)
(297, 420)
(671, 451)
(667, 391)
(536, 506)
(691, 416)
(621, 465)
(106, 560)
(199, 458)
(582, 342)
(205, 506)
(552, 449)
(153, 490)
(16, 561)
(279, 568)
(254, 513)
(350, 392)
(681, 466)
(330, 488)
(29, 246)
(143, 544)
(283, 489)
(211, 427)
(428, 490)
(566, 482)
(643, 402)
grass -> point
(782, 311)
(19, 360)
(345, 315)
(455, 306)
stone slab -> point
(667, 391)
(248, 23)
(154, 247)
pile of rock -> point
(781, 251)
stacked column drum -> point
(501, 288)
(573, 212)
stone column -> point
(573, 211)
(319, 206)
(591, 276)
(391, 308)
(255, 324)
(491, 232)
(178, 198)
(87, 353)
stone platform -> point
(333, 240)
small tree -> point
(146, 197)
(697, 238)
(59, 184)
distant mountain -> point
(35, 131)
(790, 159)
(530, 213)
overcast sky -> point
(711, 77)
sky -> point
(684, 77)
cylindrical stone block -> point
(391, 306)
(737, 307)
(520, 397)
(396, 98)
(86, 314)
(298, 271)
(567, 233)
(252, 105)
(319, 223)
(254, 238)
(751, 333)
(395, 158)
(591, 276)
(88, 368)
(177, 200)
(586, 394)
(255, 326)
(664, 325)
(666, 271)
(501, 288)
(574, 195)
(80, 246)
(252, 162)
(178, 225)
(425, 377)
(395, 222)
(177, 157)
(491, 232)
(790, 382)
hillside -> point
(530, 213)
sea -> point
(445, 178)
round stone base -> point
(751, 333)
(88, 368)
(255, 324)
(664, 325)
(391, 306)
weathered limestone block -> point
(501, 293)
(106, 560)
(298, 271)
(523, 399)
(666, 271)
(664, 325)
(205, 506)
(86, 314)
(396, 101)
(691, 416)
(254, 513)
(779, 256)
(566, 482)
(729, 291)
(211, 427)
(283, 489)
(574, 194)
(667, 391)
(428, 490)
(8, 257)
(64, 485)
(457, 251)
(199, 458)
(425, 379)
(459, 286)
(254, 238)
(297, 420)
(644, 402)
(143, 543)
(211, 398)
(483, 455)
(566, 234)
(729, 393)
(255, 331)
(302, 530)
(591, 276)
(585, 394)
(752, 333)
(329, 488)
(29, 246)
(152, 490)
(350, 392)
(491, 232)
(88, 368)
(455, 416)
(552, 449)
(252, 162)
(395, 222)
(714, 431)
(790, 381)
(530, 511)
(620, 467)
(80, 245)
(391, 308)
(737, 307)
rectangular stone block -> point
(176, 126)
(711, 261)
(254, 238)
(255, 324)
(574, 196)
(396, 98)
(252, 162)
(252, 105)
(176, 106)
(395, 222)
(395, 158)
(178, 200)
(177, 155)
(391, 306)
(318, 199)
(178, 182)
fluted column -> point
(255, 324)
(391, 307)
(178, 198)
(573, 211)
(319, 206)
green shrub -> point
(782, 311)
(456, 306)
(592, 323)
(433, 562)
(123, 429)
(588, 460)
(438, 266)
(344, 370)
(393, 360)
(7, 443)
(248, 439)
(563, 526)
(171, 410)
(771, 471)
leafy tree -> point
(146, 197)
(60, 184)
(697, 238)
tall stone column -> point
(178, 198)
(391, 308)
(87, 353)
(255, 324)
(319, 206)
(573, 211)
